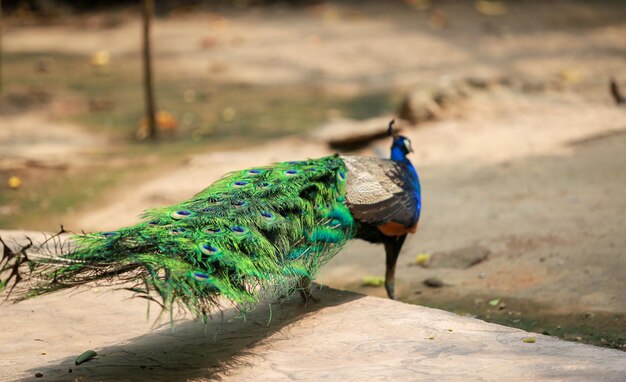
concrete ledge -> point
(344, 337)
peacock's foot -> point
(391, 290)
(307, 296)
(306, 291)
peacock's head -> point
(401, 145)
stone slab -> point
(345, 337)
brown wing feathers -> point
(379, 192)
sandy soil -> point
(534, 180)
(24, 138)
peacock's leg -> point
(392, 250)
(304, 286)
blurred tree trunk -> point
(1, 31)
(148, 10)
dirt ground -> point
(524, 188)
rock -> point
(533, 86)
(419, 106)
(433, 282)
(449, 94)
(616, 93)
(479, 82)
(347, 134)
(460, 258)
(428, 102)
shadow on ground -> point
(192, 349)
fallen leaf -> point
(572, 76)
(373, 281)
(422, 259)
(490, 7)
(165, 122)
(228, 114)
(437, 20)
(14, 182)
(100, 59)
(494, 302)
(86, 356)
(529, 340)
(418, 5)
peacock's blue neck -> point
(398, 154)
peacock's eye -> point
(407, 146)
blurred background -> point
(514, 108)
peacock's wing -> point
(380, 191)
(258, 229)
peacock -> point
(261, 231)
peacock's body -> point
(263, 229)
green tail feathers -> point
(252, 232)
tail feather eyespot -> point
(200, 276)
(238, 230)
(238, 203)
(209, 249)
(181, 214)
